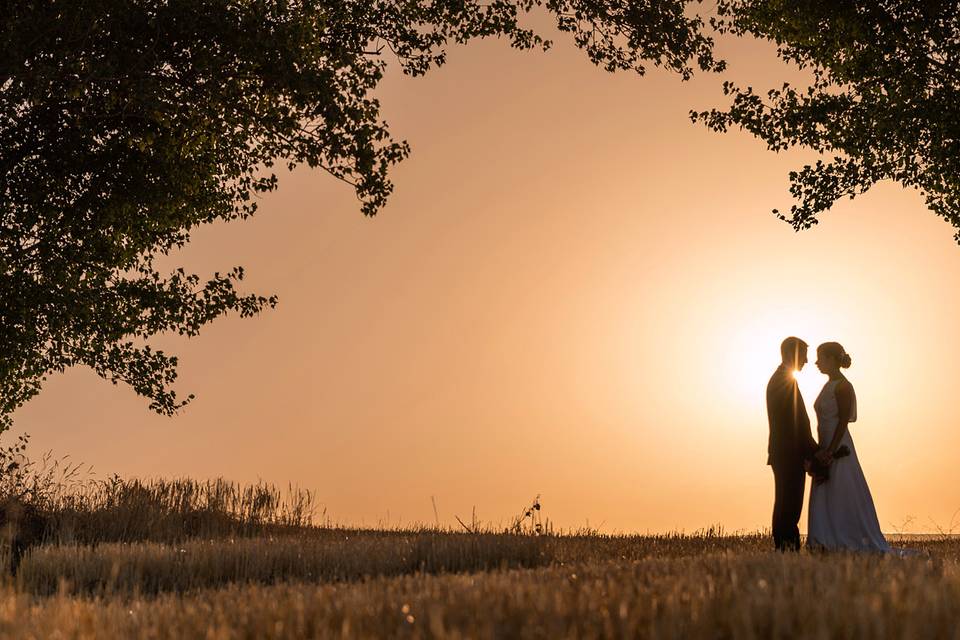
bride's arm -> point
(844, 404)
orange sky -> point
(573, 292)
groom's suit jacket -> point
(790, 438)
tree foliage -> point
(882, 104)
(126, 124)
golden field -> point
(232, 572)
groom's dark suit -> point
(791, 442)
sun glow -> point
(754, 329)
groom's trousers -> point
(789, 481)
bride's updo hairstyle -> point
(836, 351)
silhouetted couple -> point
(841, 514)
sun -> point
(748, 345)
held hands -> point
(819, 466)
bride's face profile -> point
(826, 363)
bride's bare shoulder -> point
(844, 389)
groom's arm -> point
(799, 422)
(775, 416)
(790, 432)
(807, 442)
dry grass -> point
(150, 568)
(182, 559)
(741, 592)
(170, 510)
(334, 555)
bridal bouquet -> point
(821, 472)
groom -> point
(791, 443)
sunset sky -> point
(573, 292)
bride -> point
(841, 512)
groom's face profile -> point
(794, 352)
(801, 359)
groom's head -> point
(794, 353)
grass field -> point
(137, 560)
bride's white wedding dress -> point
(841, 514)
